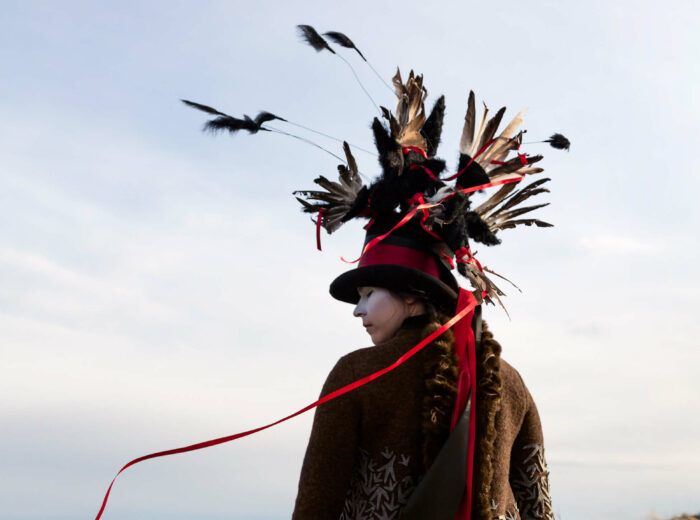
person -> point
(436, 424)
(369, 449)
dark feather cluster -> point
(432, 128)
(230, 123)
(343, 41)
(311, 36)
(559, 141)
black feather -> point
(233, 124)
(559, 142)
(432, 128)
(264, 117)
(203, 108)
(314, 39)
(479, 230)
(343, 41)
(390, 156)
(474, 175)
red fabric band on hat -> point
(383, 254)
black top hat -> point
(406, 260)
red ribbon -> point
(465, 348)
(459, 315)
(448, 259)
(465, 251)
(482, 187)
(523, 157)
(319, 219)
(425, 169)
(407, 149)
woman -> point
(369, 449)
(397, 446)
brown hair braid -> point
(440, 371)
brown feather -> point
(465, 142)
(491, 128)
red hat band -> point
(389, 254)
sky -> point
(159, 286)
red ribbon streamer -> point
(344, 390)
(465, 350)
(319, 219)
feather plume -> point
(343, 41)
(339, 197)
(230, 123)
(513, 165)
(410, 109)
(559, 142)
(505, 143)
(527, 222)
(465, 143)
(432, 128)
(491, 128)
(495, 199)
(233, 124)
(203, 108)
(504, 217)
(477, 136)
(314, 39)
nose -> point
(359, 311)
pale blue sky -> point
(158, 286)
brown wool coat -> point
(365, 457)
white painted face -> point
(383, 311)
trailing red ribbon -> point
(337, 393)
(319, 219)
(465, 351)
(407, 217)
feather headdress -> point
(411, 186)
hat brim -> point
(393, 277)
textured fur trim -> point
(488, 403)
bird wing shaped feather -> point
(338, 198)
(477, 136)
(504, 217)
(495, 199)
(504, 144)
(513, 165)
(203, 108)
(465, 143)
(311, 36)
(490, 128)
(342, 40)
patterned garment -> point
(376, 493)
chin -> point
(377, 338)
